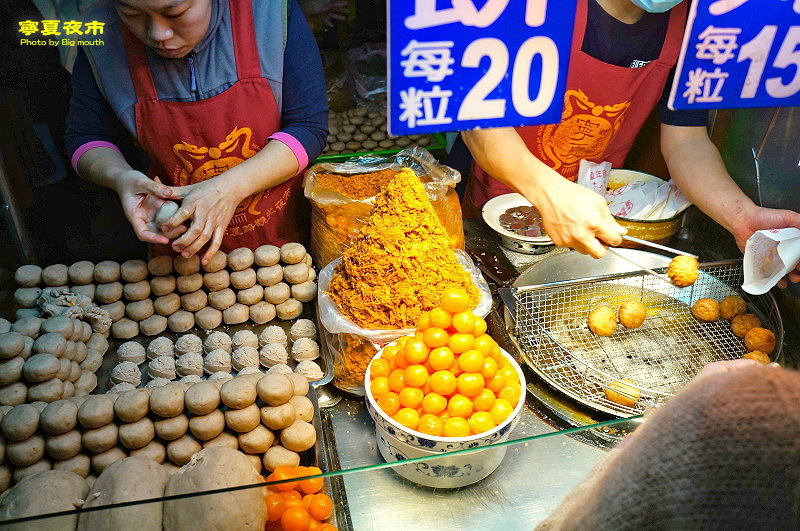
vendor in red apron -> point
(227, 100)
(621, 66)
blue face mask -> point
(656, 6)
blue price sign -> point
(455, 65)
(739, 53)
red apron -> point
(189, 142)
(605, 106)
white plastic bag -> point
(768, 257)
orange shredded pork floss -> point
(400, 262)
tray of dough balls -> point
(620, 341)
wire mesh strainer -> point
(659, 357)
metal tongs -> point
(671, 250)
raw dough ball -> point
(27, 350)
(20, 423)
(256, 441)
(55, 275)
(167, 210)
(66, 369)
(269, 276)
(275, 389)
(81, 273)
(303, 408)
(127, 372)
(46, 492)
(273, 334)
(86, 333)
(289, 310)
(760, 339)
(131, 351)
(160, 346)
(244, 338)
(278, 293)
(12, 344)
(243, 420)
(622, 392)
(220, 378)
(27, 312)
(273, 354)
(157, 382)
(27, 452)
(298, 437)
(92, 362)
(116, 310)
(278, 417)
(732, 306)
(217, 281)
(64, 446)
(27, 297)
(236, 314)
(50, 343)
(296, 273)
(216, 468)
(48, 391)
(69, 390)
(262, 312)
(189, 380)
(87, 290)
(277, 456)
(136, 291)
(195, 301)
(58, 324)
(153, 325)
(108, 293)
(217, 341)
(125, 329)
(190, 363)
(300, 384)
(683, 270)
(207, 427)
(743, 323)
(303, 328)
(180, 451)
(243, 279)
(602, 321)
(208, 318)
(105, 459)
(162, 367)
(180, 321)
(41, 367)
(238, 393)
(305, 349)
(267, 255)
(222, 299)
(188, 343)
(13, 395)
(133, 271)
(166, 305)
(167, 401)
(217, 361)
(28, 276)
(304, 292)
(632, 314)
(136, 434)
(98, 343)
(172, 428)
(292, 253)
(250, 295)
(161, 286)
(245, 357)
(217, 262)
(189, 283)
(224, 439)
(80, 464)
(160, 266)
(11, 370)
(87, 382)
(132, 406)
(100, 439)
(96, 411)
(240, 259)
(129, 479)
(154, 450)
(251, 370)
(309, 369)
(187, 266)
(202, 398)
(706, 310)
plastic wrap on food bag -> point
(337, 217)
(769, 256)
(352, 347)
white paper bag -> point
(635, 201)
(768, 257)
(594, 176)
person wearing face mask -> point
(621, 67)
(227, 100)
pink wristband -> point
(296, 147)
(90, 145)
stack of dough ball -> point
(47, 359)
(358, 130)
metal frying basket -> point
(660, 357)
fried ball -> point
(683, 270)
(632, 314)
(760, 339)
(602, 321)
(743, 323)
(758, 356)
(706, 310)
(732, 306)
(622, 392)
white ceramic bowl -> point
(397, 442)
(497, 206)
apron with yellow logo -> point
(605, 106)
(190, 142)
